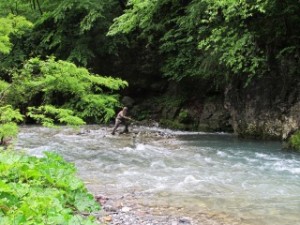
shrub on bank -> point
(294, 141)
(42, 191)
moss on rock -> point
(294, 141)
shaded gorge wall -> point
(265, 109)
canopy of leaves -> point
(217, 37)
(71, 30)
(12, 25)
(49, 91)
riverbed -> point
(199, 175)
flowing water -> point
(254, 182)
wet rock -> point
(125, 209)
(108, 218)
(101, 199)
(84, 132)
(262, 111)
(110, 208)
(6, 141)
(185, 220)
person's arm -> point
(125, 117)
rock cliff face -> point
(209, 115)
(264, 109)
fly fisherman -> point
(122, 119)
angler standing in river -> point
(122, 119)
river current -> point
(253, 182)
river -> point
(253, 182)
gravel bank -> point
(126, 210)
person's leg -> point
(117, 124)
(126, 124)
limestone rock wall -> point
(264, 110)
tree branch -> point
(39, 6)
(2, 94)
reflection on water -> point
(252, 181)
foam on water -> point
(250, 180)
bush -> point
(42, 191)
(183, 116)
(294, 141)
(8, 122)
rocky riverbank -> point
(129, 210)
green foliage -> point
(3, 86)
(42, 191)
(55, 91)
(65, 91)
(47, 115)
(173, 27)
(183, 115)
(294, 141)
(85, 21)
(138, 15)
(9, 118)
(8, 114)
(15, 7)
(12, 25)
(229, 36)
(8, 130)
(71, 30)
(98, 107)
(217, 39)
(210, 39)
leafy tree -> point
(13, 28)
(230, 38)
(51, 91)
(17, 8)
(71, 30)
(11, 25)
(62, 90)
(9, 117)
(212, 38)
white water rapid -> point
(254, 182)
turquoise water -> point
(254, 182)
